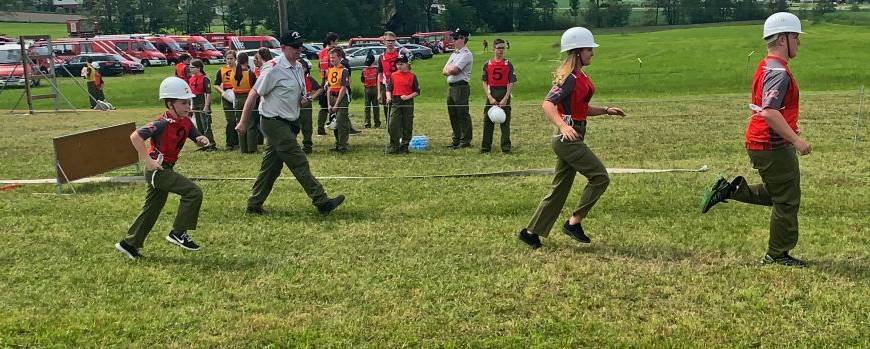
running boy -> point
(167, 135)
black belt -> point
(276, 119)
(458, 83)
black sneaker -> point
(367, 126)
(466, 145)
(330, 205)
(257, 210)
(485, 151)
(129, 251)
(180, 238)
(784, 259)
(718, 192)
(530, 239)
(339, 150)
(576, 232)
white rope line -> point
(527, 172)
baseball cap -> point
(292, 39)
(459, 32)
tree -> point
(574, 10)
(745, 10)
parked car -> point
(137, 47)
(310, 51)
(11, 69)
(419, 51)
(356, 56)
(130, 67)
(107, 65)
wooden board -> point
(90, 153)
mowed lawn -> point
(695, 61)
(434, 262)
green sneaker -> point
(718, 192)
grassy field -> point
(684, 62)
(434, 262)
(14, 29)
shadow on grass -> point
(853, 269)
(647, 252)
(97, 188)
(210, 263)
(308, 213)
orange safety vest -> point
(244, 85)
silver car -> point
(356, 56)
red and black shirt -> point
(369, 77)
(168, 135)
(498, 73)
(573, 96)
(773, 86)
(403, 84)
(199, 84)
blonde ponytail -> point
(569, 65)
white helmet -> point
(331, 122)
(174, 87)
(496, 115)
(577, 37)
(781, 22)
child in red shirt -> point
(402, 87)
(167, 134)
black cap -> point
(370, 58)
(405, 58)
(292, 39)
(459, 32)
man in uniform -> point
(458, 73)
(281, 89)
(772, 138)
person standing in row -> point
(94, 81)
(243, 80)
(338, 98)
(182, 68)
(387, 65)
(402, 89)
(458, 73)
(330, 42)
(369, 79)
(498, 82)
(224, 84)
(167, 134)
(200, 87)
(567, 106)
(281, 89)
(772, 140)
(313, 91)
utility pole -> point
(282, 16)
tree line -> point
(314, 18)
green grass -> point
(14, 29)
(433, 262)
(692, 61)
